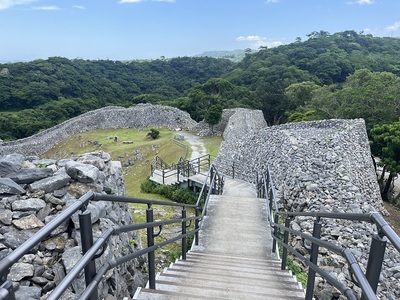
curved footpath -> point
(196, 144)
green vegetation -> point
(42, 93)
(213, 115)
(327, 69)
(136, 175)
(386, 144)
(153, 133)
(341, 75)
(172, 192)
(142, 151)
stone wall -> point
(234, 122)
(319, 166)
(139, 116)
(33, 192)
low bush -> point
(172, 192)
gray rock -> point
(82, 172)
(26, 176)
(15, 238)
(31, 204)
(29, 222)
(10, 163)
(50, 184)
(6, 216)
(59, 193)
(8, 186)
(28, 293)
(20, 271)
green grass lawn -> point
(164, 147)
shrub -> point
(153, 133)
(172, 192)
(147, 186)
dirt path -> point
(196, 143)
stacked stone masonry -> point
(33, 192)
(139, 116)
(319, 166)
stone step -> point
(232, 292)
(276, 283)
(237, 261)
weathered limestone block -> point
(28, 292)
(29, 222)
(82, 172)
(30, 175)
(31, 204)
(21, 271)
(6, 216)
(51, 183)
(14, 238)
(10, 163)
(8, 186)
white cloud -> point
(78, 6)
(393, 27)
(46, 7)
(255, 41)
(272, 1)
(361, 2)
(137, 1)
(4, 4)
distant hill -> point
(233, 55)
(39, 94)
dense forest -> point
(340, 75)
(42, 93)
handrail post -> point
(313, 259)
(233, 170)
(184, 248)
(276, 220)
(198, 165)
(211, 179)
(196, 234)
(177, 171)
(85, 224)
(163, 175)
(375, 260)
(285, 241)
(150, 243)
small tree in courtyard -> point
(153, 134)
(213, 116)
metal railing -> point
(184, 146)
(91, 249)
(182, 169)
(368, 282)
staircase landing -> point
(233, 259)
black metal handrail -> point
(368, 282)
(91, 249)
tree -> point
(386, 145)
(213, 116)
(153, 133)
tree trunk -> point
(386, 189)
(382, 177)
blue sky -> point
(142, 29)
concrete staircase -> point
(233, 259)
